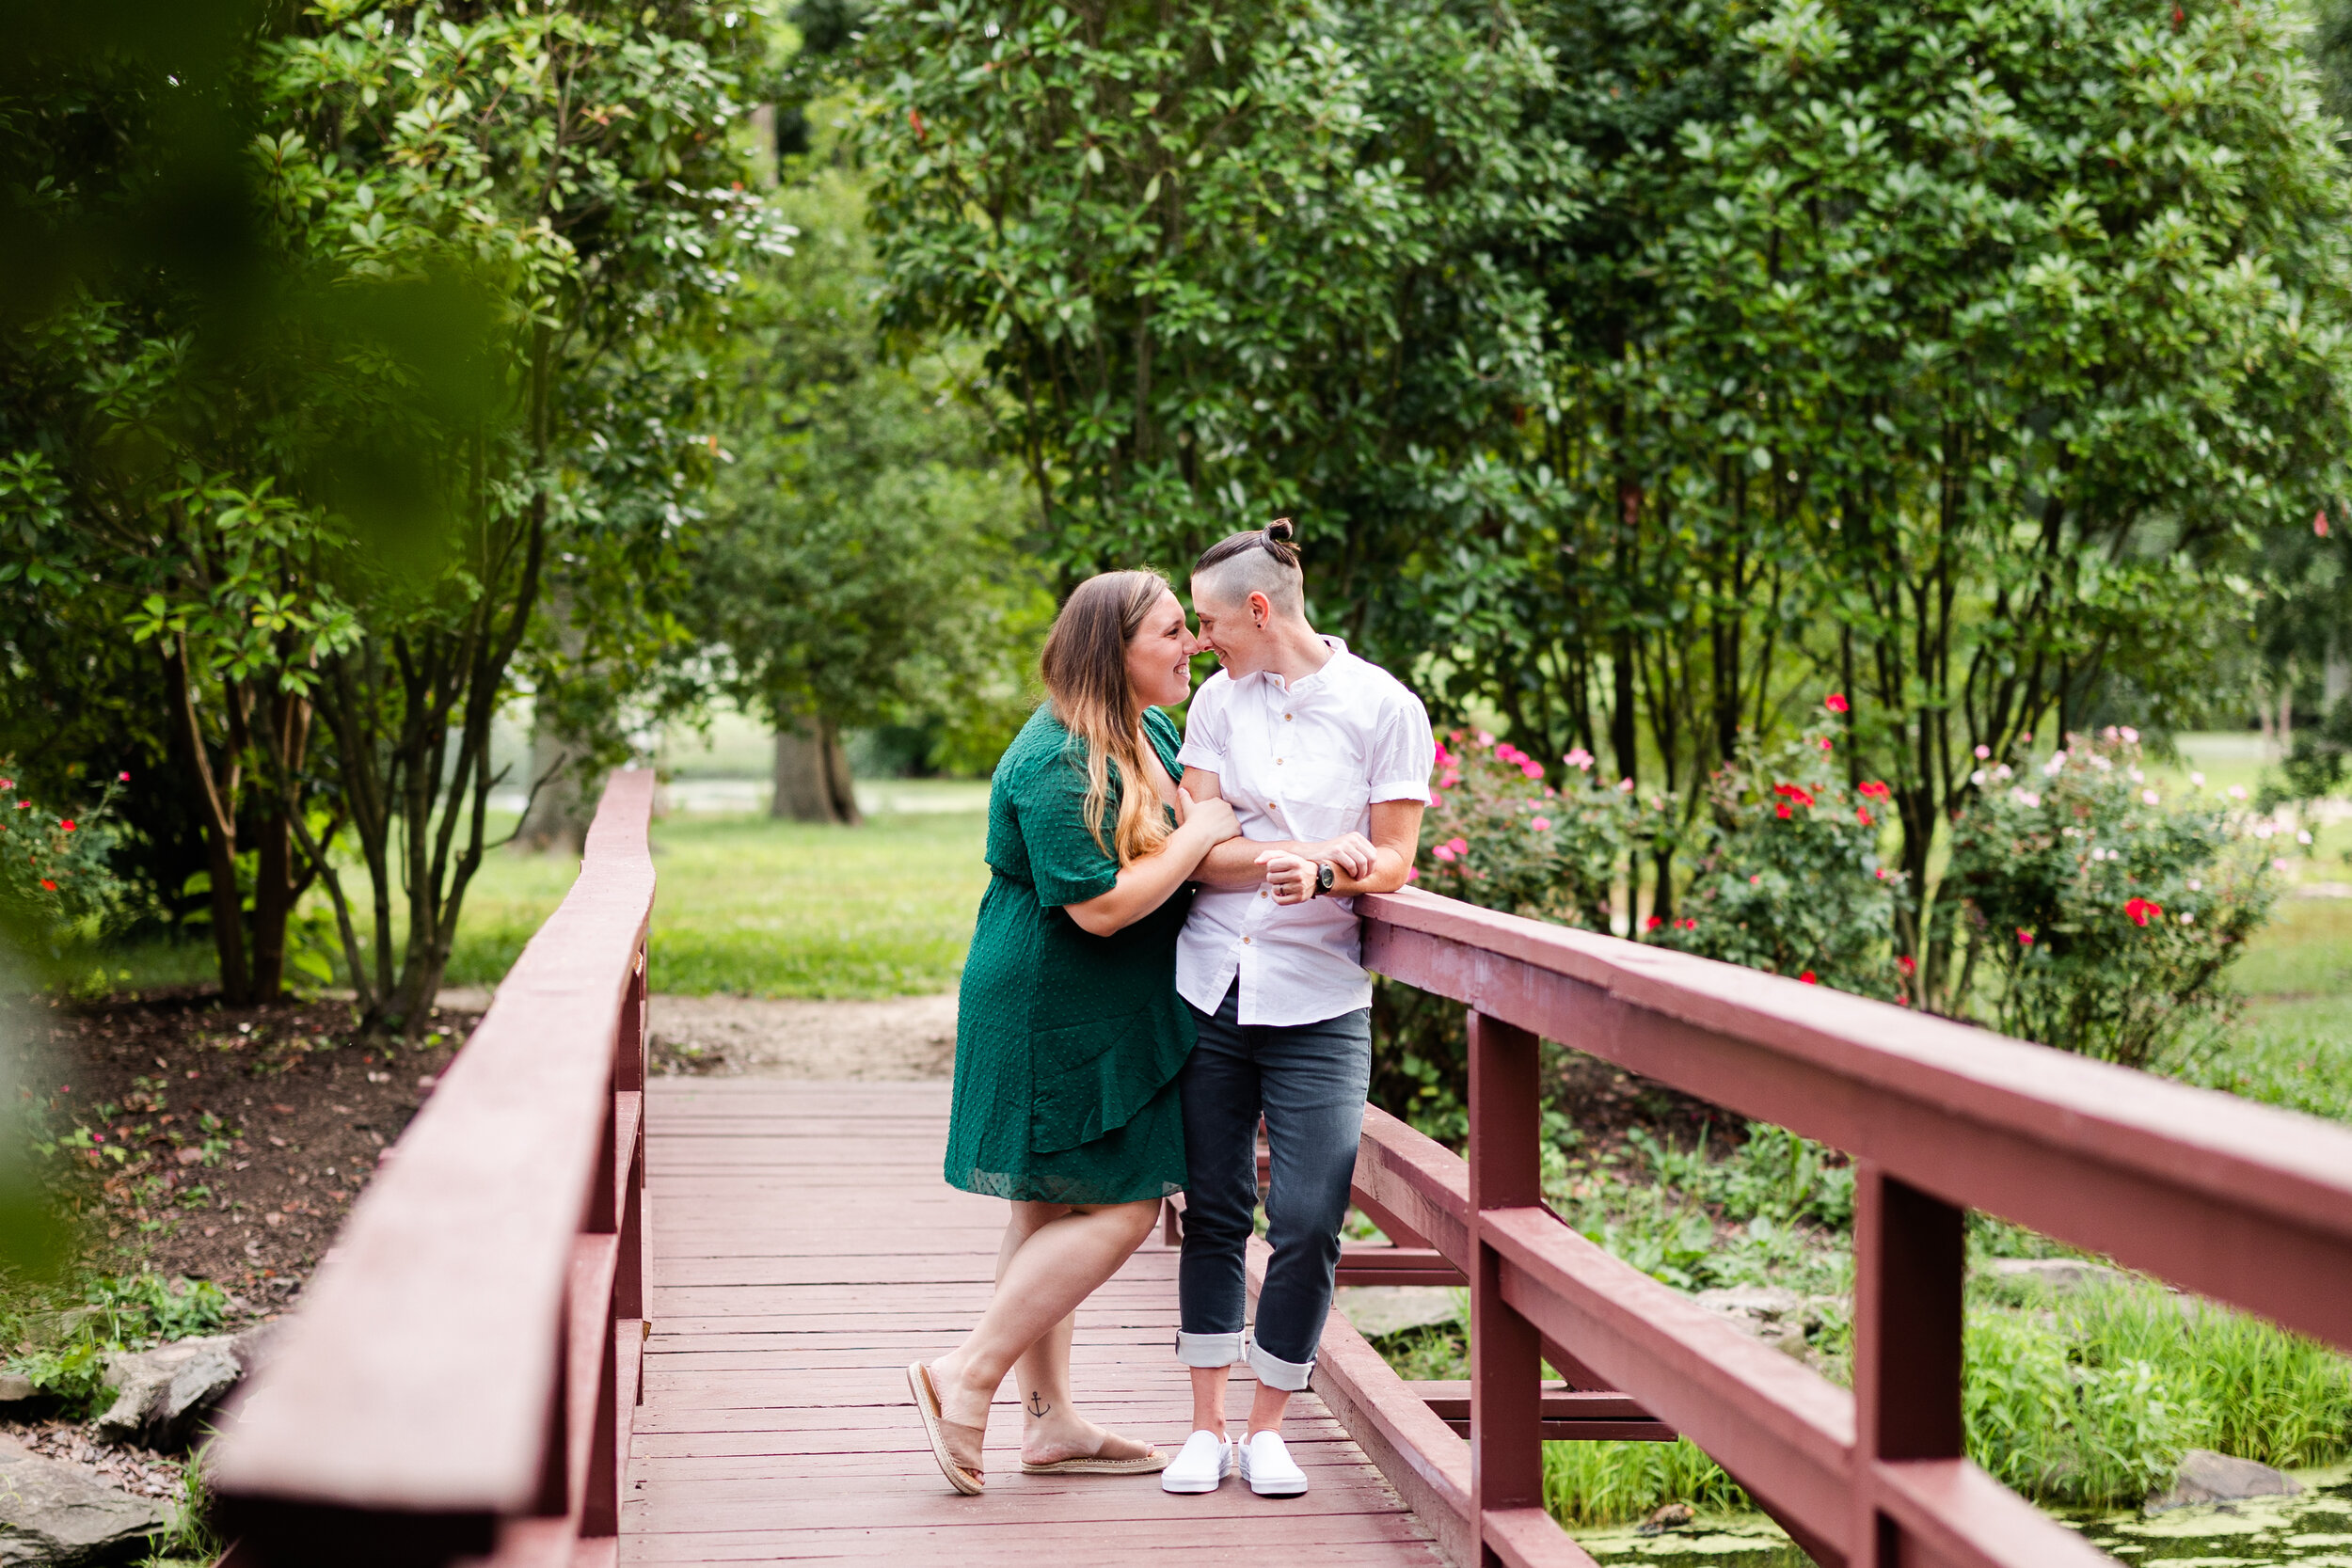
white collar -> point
(1339, 650)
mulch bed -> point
(249, 1132)
(141, 1472)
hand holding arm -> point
(1238, 863)
(1144, 885)
(1289, 870)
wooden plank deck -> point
(805, 1250)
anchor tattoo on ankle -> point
(1036, 1405)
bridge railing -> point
(2236, 1201)
(460, 1378)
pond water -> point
(2313, 1530)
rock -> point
(161, 1395)
(53, 1514)
(2207, 1477)
(1672, 1516)
(1781, 1318)
(1378, 1310)
(2057, 1273)
(15, 1388)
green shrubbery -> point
(1788, 878)
(2107, 913)
(69, 1340)
(56, 886)
(2100, 917)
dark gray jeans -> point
(1309, 1080)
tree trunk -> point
(559, 813)
(565, 797)
(812, 775)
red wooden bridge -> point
(582, 1320)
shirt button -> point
(1245, 941)
(1278, 762)
(1286, 719)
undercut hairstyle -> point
(1259, 560)
(1084, 665)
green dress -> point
(1067, 1045)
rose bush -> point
(1504, 831)
(56, 884)
(2106, 914)
(1789, 877)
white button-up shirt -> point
(1302, 760)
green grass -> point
(2305, 952)
(751, 906)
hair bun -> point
(1280, 530)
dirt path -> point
(899, 1038)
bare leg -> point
(1051, 1427)
(1060, 1263)
(1265, 1411)
(1208, 1398)
(1207, 1404)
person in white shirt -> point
(1326, 760)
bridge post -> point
(1910, 1262)
(1506, 1371)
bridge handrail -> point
(2240, 1202)
(459, 1376)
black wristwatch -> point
(1325, 874)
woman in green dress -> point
(1069, 1031)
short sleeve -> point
(1066, 866)
(1208, 725)
(1403, 750)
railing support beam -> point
(1506, 1390)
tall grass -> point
(1615, 1483)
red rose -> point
(1837, 702)
(1809, 979)
(1861, 815)
(67, 824)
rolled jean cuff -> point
(1275, 1373)
(1208, 1350)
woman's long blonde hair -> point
(1084, 665)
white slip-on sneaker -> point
(1206, 1459)
(1267, 1466)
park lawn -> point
(755, 906)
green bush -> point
(70, 1340)
(1773, 1174)
(1500, 835)
(2062, 1428)
(1788, 878)
(2107, 916)
(56, 884)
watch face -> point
(1324, 876)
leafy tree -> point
(1226, 259)
(481, 242)
(578, 159)
(1948, 356)
(861, 567)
